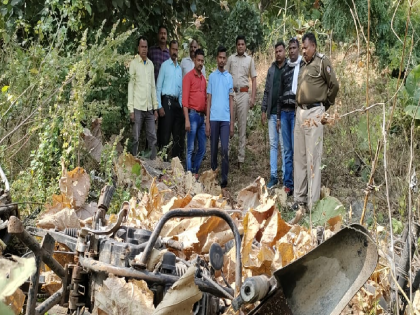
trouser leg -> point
(214, 142)
(178, 131)
(224, 139)
(314, 142)
(241, 109)
(201, 139)
(165, 124)
(138, 122)
(191, 136)
(299, 159)
(274, 140)
(151, 132)
(287, 123)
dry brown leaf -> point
(261, 261)
(209, 179)
(155, 257)
(191, 186)
(123, 298)
(66, 218)
(335, 223)
(127, 168)
(92, 144)
(75, 186)
(252, 195)
(325, 192)
(177, 202)
(281, 197)
(181, 296)
(275, 229)
(52, 282)
(284, 255)
(219, 237)
(16, 301)
(59, 202)
(251, 228)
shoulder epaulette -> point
(322, 56)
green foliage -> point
(412, 88)
(325, 209)
(244, 20)
(224, 26)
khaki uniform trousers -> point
(241, 114)
(308, 144)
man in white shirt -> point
(187, 63)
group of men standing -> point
(179, 97)
(298, 91)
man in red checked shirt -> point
(194, 100)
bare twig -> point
(367, 83)
(38, 108)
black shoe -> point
(298, 205)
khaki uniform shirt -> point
(316, 82)
(241, 68)
(141, 87)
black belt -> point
(309, 106)
(190, 110)
(172, 98)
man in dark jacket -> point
(286, 111)
(269, 110)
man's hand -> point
(132, 117)
(187, 125)
(263, 118)
(278, 125)
(161, 112)
(155, 113)
(251, 103)
(232, 130)
(208, 129)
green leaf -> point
(325, 209)
(413, 111)
(88, 8)
(413, 81)
(5, 310)
(5, 2)
(4, 89)
(397, 226)
(136, 169)
(170, 2)
(14, 2)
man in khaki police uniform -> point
(317, 88)
(241, 67)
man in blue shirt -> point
(220, 117)
(169, 95)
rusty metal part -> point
(59, 237)
(78, 288)
(182, 213)
(150, 277)
(254, 289)
(49, 303)
(275, 304)
(16, 227)
(324, 280)
(8, 209)
(111, 230)
(172, 244)
(33, 288)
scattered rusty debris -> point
(179, 247)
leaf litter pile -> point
(268, 241)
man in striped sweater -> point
(286, 108)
